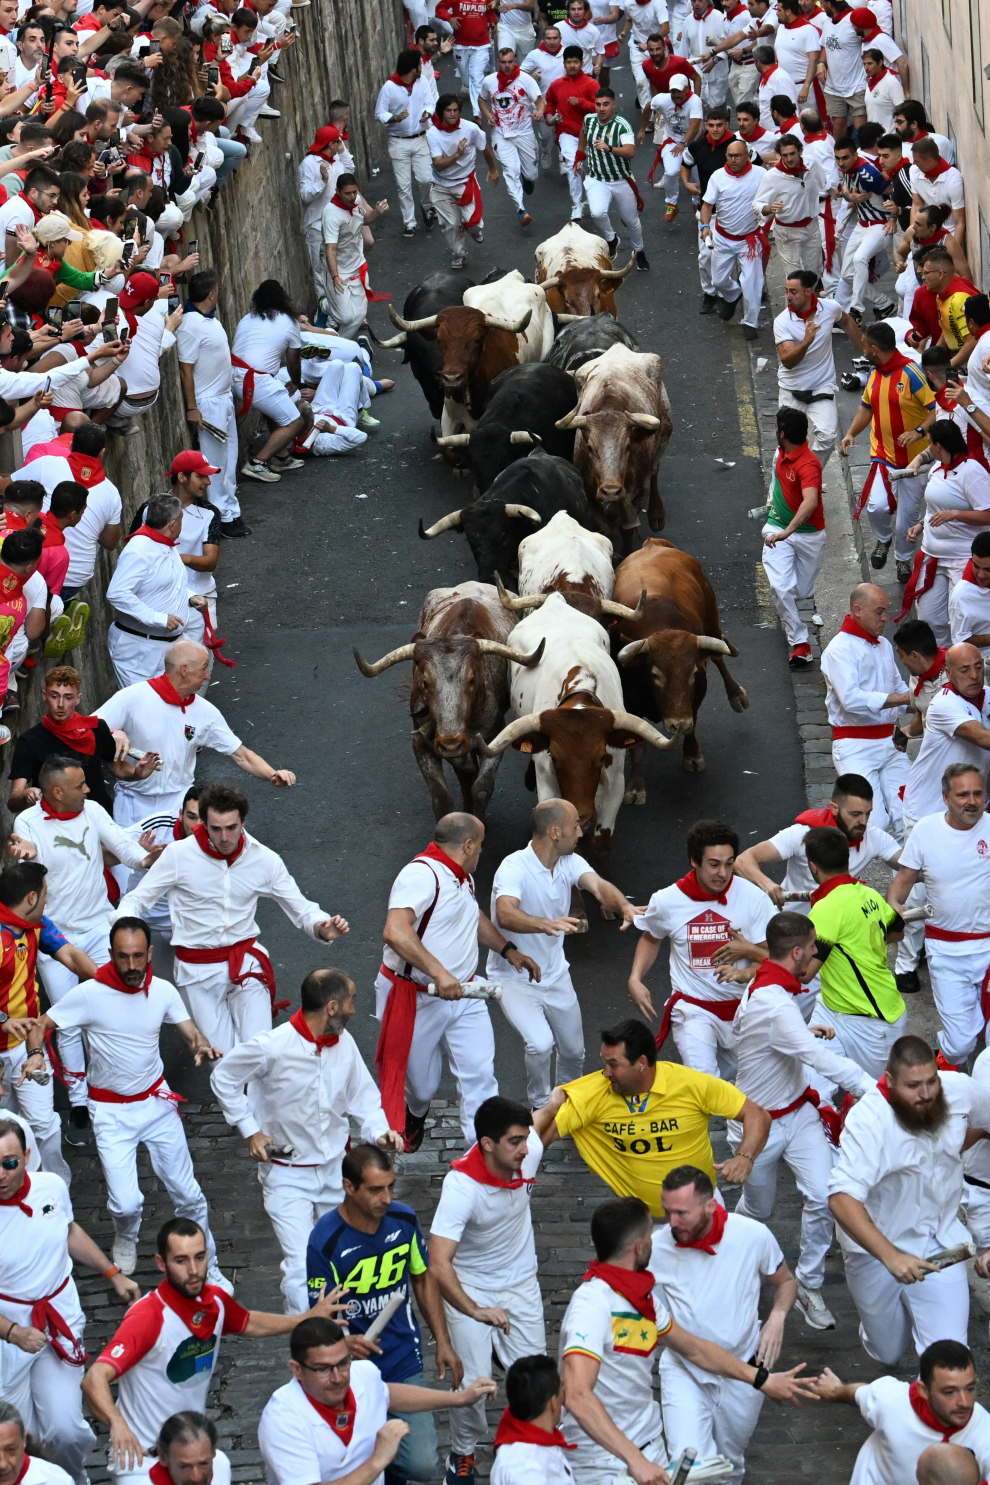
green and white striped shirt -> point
(600, 164)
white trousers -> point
(601, 194)
(863, 244)
(567, 145)
(410, 157)
(58, 980)
(465, 1029)
(744, 82)
(472, 68)
(222, 493)
(135, 659)
(792, 568)
(977, 1204)
(714, 85)
(519, 158)
(906, 287)
(933, 606)
(546, 1015)
(877, 760)
(348, 307)
(798, 247)
(798, 1140)
(735, 272)
(118, 1129)
(340, 394)
(823, 422)
(892, 1314)
(454, 217)
(958, 973)
(703, 1041)
(716, 1416)
(908, 496)
(474, 1344)
(225, 1013)
(640, 80)
(863, 1039)
(243, 112)
(522, 39)
(130, 806)
(35, 1102)
(705, 263)
(296, 1197)
(672, 169)
(910, 945)
(47, 1392)
(317, 257)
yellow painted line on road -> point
(744, 401)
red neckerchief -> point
(939, 168)
(634, 1284)
(336, 201)
(339, 1420)
(9, 919)
(924, 1412)
(78, 733)
(508, 77)
(738, 174)
(397, 79)
(730, 15)
(434, 852)
(19, 1199)
(936, 667)
(581, 27)
(692, 888)
(933, 239)
(27, 1458)
(883, 1086)
(473, 1164)
(789, 126)
(206, 845)
(11, 586)
(757, 133)
(514, 1430)
(438, 123)
(152, 535)
(969, 576)
(958, 285)
(817, 135)
(983, 695)
(541, 48)
(871, 83)
(775, 974)
(109, 975)
(54, 535)
(843, 880)
(299, 1024)
(177, 832)
(796, 170)
(805, 314)
(894, 363)
(159, 1475)
(51, 814)
(198, 1315)
(814, 819)
(802, 20)
(722, 142)
(849, 626)
(711, 1239)
(162, 686)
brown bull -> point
(576, 273)
(460, 689)
(664, 655)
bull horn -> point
(512, 603)
(454, 441)
(521, 435)
(430, 323)
(620, 611)
(448, 523)
(495, 322)
(642, 729)
(394, 657)
(569, 319)
(510, 734)
(644, 420)
(629, 652)
(394, 343)
(489, 647)
(619, 273)
(572, 420)
(549, 283)
(716, 646)
(526, 511)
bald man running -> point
(947, 1464)
(864, 694)
(531, 899)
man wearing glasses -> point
(332, 1419)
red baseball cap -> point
(140, 286)
(191, 461)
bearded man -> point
(895, 1190)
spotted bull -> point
(561, 557)
(576, 273)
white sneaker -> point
(268, 113)
(219, 1279)
(814, 1309)
(124, 1254)
(255, 470)
(252, 136)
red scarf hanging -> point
(776, 974)
(922, 1409)
(711, 1239)
(634, 1284)
(507, 77)
(109, 975)
(87, 469)
(692, 888)
(849, 626)
(162, 686)
(19, 1199)
(206, 845)
(152, 535)
(843, 880)
(199, 1315)
(51, 814)
(9, 919)
(339, 1420)
(514, 1430)
(11, 586)
(77, 733)
(298, 1022)
(473, 1164)
(434, 852)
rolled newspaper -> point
(40, 1075)
(384, 1316)
(691, 1471)
(961, 1253)
(474, 990)
(909, 915)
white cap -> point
(679, 81)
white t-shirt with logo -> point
(177, 734)
(940, 746)
(697, 929)
(491, 1225)
(512, 104)
(842, 52)
(955, 867)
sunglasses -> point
(11, 1163)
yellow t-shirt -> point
(633, 1142)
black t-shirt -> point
(708, 157)
(902, 194)
(37, 744)
(554, 10)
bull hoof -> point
(739, 702)
(459, 474)
(607, 913)
(634, 796)
(582, 926)
(657, 522)
(694, 765)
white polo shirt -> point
(300, 1448)
(793, 45)
(452, 933)
(122, 1031)
(490, 1224)
(876, 845)
(176, 733)
(644, 20)
(72, 850)
(882, 98)
(946, 189)
(345, 229)
(969, 612)
(955, 867)
(203, 344)
(512, 104)
(697, 929)
(546, 67)
(815, 372)
(543, 894)
(890, 1455)
(732, 198)
(445, 142)
(34, 1244)
(262, 343)
(940, 746)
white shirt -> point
(799, 194)
(967, 487)
(299, 1448)
(414, 102)
(511, 104)
(213, 903)
(148, 584)
(316, 192)
(876, 845)
(969, 611)
(773, 84)
(122, 1031)
(72, 852)
(884, 12)
(546, 67)
(599, 9)
(34, 1251)
(452, 933)
(542, 894)
(698, 37)
(176, 733)
(444, 142)
(103, 508)
(491, 1225)
(672, 119)
(300, 1095)
(586, 37)
(528, 1464)
(645, 20)
(262, 343)
(946, 189)
(13, 211)
(859, 677)
(890, 1455)
(910, 1183)
(40, 1472)
(821, 152)
(815, 372)
(697, 929)
(774, 1049)
(793, 48)
(955, 867)
(843, 55)
(732, 197)
(345, 229)
(976, 1161)
(883, 98)
(762, 145)
(716, 1296)
(203, 344)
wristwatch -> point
(507, 948)
(3, 1017)
(762, 1374)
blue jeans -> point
(417, 1456)
(233, 153)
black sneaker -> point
(459, 1470)
(409, 233)
(884, 311)
(750, 332)
(642, 262)
(725, 309)
(527, 186)
(904, 571)
(236, 527)
(878, 557)
(78, 1131)
(850, 381)
(708, 303)
(857, 315)
(613, 248)
(414, 1131)
(908, 983)
(429, 217)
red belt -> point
(832, 1119)
(921, 581)
(724, 1010)
(804, 222)
(758, 241)
(247, 391)
(948, 935)
(394, 1042)
(883, 729)
(233, 955)
(107, 1095)
(808, 1096)
(46, 1318)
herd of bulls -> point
(546, 400)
